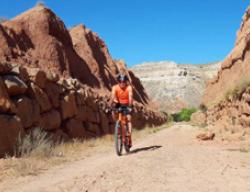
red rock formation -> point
(63, 108)
(38, 38)
(93, 50)
(235, 69)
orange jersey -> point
(122, 95)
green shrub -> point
(184, 114)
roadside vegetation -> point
(36, 152)
(184, 115)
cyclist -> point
(122, 96)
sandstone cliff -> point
(235, 69)
(94, 51)
(174, 86)
(38, 38)
(227, 96)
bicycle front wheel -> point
(118, 138)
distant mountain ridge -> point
(173, 86)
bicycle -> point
(122, 135)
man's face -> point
(122, 84)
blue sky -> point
(185, 31)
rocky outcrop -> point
(38, 38)
(235, 69)
(63, 108)
(174, 86)
(227, 96)
(10, 130)
(93, 50)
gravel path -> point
(169, 160)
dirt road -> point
(169, 160)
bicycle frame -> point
(122, 137)
(122, 118)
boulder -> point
(82, 113)
(50, 120)
(53, 91)
(21, 72)
(15, 86)
(92, 116)
(41, 97)
(53, 77)
(93, 129)
(80, 97)
(104, 123)
(28, 110)
(5, 68)
(206, 136)
(37, 76)
(6, 105)
(75, 128)
(10, 130)
(68, 106)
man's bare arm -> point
(112, 98)
(130, 94)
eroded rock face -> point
(50, 120)
(174, 86)
(75, 128)
(6, 105)
(235, 69)
(10, 129)
(15, 86)
(38, 38)
(28, 110)
(93, 50)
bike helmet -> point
(122, 78)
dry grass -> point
(36, 152)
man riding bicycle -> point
(122, 96)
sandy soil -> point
(169, 160)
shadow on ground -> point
(150, 148)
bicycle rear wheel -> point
(118, 138)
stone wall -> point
(30, 97)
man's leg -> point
(129, 123)
(130, 129)
(115, 106)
